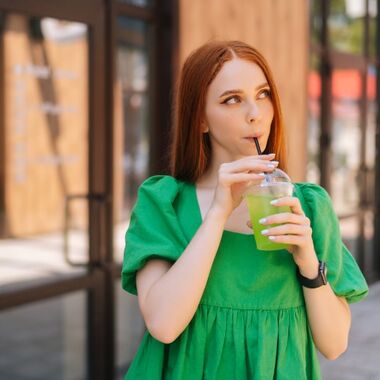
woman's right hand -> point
(236, 176)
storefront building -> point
(85, 113)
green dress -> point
(251, 322)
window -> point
(342, 115)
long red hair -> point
(191, 148)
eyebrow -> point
(238, 91)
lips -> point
(252, 137)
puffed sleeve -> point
(154, 231)
(343, 273)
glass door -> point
(53, 193)
(84, 116)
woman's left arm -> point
(329, 318)
(329, 315)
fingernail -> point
(264, 232)
(261, 175)
(272, 237)
(275, 162)
(262, 221)
(274, 202)
(271, 166)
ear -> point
(204, 127)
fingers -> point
(230, 178)
(293, 227)
(286, 217)
(265, 157)
(288, 229)
(252, 163)
(292, 202)
(297, 240)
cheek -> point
(268, 111)
(220, 117)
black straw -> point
(257, 146)
(267, 177)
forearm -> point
(172, 301)
(329, 319)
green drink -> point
(259, 207)
(275, 185)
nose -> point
(253, 112)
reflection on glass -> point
(371, 133)
(45, 340)
(346, 139)
(346, 25)
(350, 232)
(45, 134)
(372, 10)
(314, 96)
(371, 116)
(140, 3)
(130, 328)
(315, 22)
(132, 112)
(368, 241)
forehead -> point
(238, 73)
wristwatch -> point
(316, 282)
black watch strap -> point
(320, 280)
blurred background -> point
(85, 112)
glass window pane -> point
(140, 3)
(370, 153)
(371, 127)
(346, 139)
(371, 116)
(350, 232)
(45, 340)
(368, 241)
(45, 135)
(314, 108)
(132, 118)
(372, 10)
(130, 328)
(346, 25)
(315, 22)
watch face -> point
(323, 272)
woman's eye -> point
(232, 100)
(264, 94)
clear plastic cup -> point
(258, 197)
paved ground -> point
(362, 359)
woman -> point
(214, 305)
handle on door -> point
(100, 199)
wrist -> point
(309, 269)
(314, 282)
(217, 213)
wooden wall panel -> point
(279, 29)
